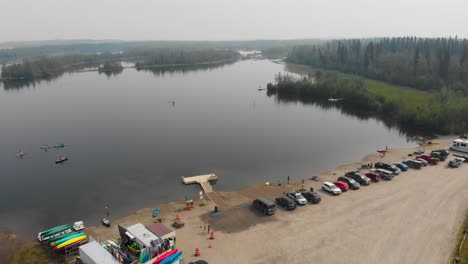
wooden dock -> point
(203, 180)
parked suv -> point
(264, 205)
(353, 185)
(312, 197)
(384, 174)
(442, 152)
(439, 155)
(389, 167)
(286, 203)
(359, 177)
(331, 188)
(296, 197)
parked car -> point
(429, 159)
(312, 197)
(389, 167)
(401, 166)
(438, 155)
(373, 176)
(297, 197)
(286, 203)
(423, 161)
(344, 187)
(456, 162)
(384, 174)
(415, 164)
(264, 205)
(331, 188)
(443, 152)
(359, 177)
(353, 185)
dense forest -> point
(443, 112)
(426, 64)
(187, 57)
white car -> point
(331, 188)
(297, 197)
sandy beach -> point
(411, 219)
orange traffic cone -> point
(177, 216)
(212, 235)
(197, 252)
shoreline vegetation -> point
(50, 67)
(444, 112)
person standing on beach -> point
(208, 229)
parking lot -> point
(410, 219)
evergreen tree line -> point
(423, 63)
(187, 57)
(444, 112)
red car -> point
(342, 185)
(428, 158)
(373, 176)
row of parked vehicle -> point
(289, 201)
(355, 179)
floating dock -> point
(203, 180)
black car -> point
(312, 197)
(415, 164)
(359, 177)
(286, 203)
(442, 152)
(389, 167)
(354, 185)
(439, 155)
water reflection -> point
(351, 111)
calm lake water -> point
(129, 145)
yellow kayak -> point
(71, 241)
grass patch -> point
(404, 95)
(201, 204)
(464, 250)
(30, 254)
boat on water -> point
(335, 99)
(59, 145)
(20, 154)
(155, 212)
(106, 222)
(61, 160)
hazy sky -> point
(229, 19)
